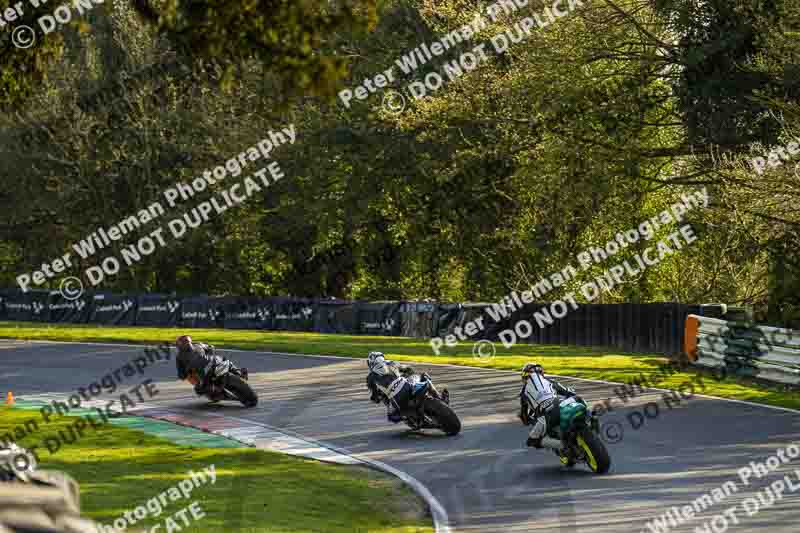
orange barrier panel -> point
(690, 330)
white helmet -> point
(374, 359)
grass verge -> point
(255, 491)
(576, 361)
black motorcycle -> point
(428, 408)
(227, 382)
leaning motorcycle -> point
(428, 408)
(581, 435)
(227, 383)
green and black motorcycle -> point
(581, 435)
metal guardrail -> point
(744, 348)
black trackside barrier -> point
(653, 327)
(291, 314)
(29, 307)
(447, 317)
(157, 310)
(202, 312)
(417, 319)
(113, 309)
(379, 318)
(337, 316)
(273, 314)
(241, 312)
(63, 310)
(367, 318)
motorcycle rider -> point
(200, 358)
(387, 383)
(540, 406)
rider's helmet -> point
(16, 463)
(531, 368)
(374, 359)
(184, 342)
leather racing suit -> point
(540, 401)
(201, 359)
(387, 384)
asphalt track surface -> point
(486, 479)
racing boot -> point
(393, 414)
(566, 458)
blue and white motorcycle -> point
(428, 408)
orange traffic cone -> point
(10, 398)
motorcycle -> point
(428, 408)
(227, 383)
(580, 429)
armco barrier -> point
(743, 348)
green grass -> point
(255, 491)
(583, 362)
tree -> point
(288, 39)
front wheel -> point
(595, 451)
(445, 416)
(241, 390)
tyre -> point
(596, 454)
(241, 390)
(446, 418)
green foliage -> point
(23, 70)
(291, 39)
(583, 129)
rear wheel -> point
(596, 454)
(446, 418)
(241, 390)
